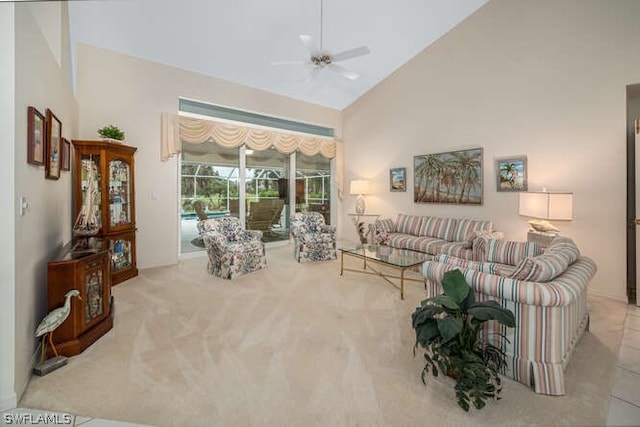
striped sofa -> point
(463, 238)
(547, 293)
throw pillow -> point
(408, 224)
(561, 253)
(441, 228)
(523, 270)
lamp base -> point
(543, 226)
(360, 205)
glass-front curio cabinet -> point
(104, 192)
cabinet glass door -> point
(121, 254)
(119, 193)
(90, 213)
(94, 288)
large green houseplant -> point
(449, 327)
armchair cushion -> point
(232, 250)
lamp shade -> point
(359, 186)
(545, 205)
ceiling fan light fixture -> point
(320, 59)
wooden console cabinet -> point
(85, 265)
(117, 214)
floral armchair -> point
(313, 239)
(232, 250)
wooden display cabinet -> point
(83, 264)
(116, 210)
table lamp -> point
(545, 205)
(359, 187)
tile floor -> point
(624, 406)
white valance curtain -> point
(177, 130)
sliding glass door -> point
(267, 204)
(254, 186)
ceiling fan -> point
(319, 58)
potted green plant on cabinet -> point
(449, 327)
(111, 132)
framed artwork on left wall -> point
(35, 137)
(53, 146)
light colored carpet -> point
(292, 345)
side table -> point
(360, 221)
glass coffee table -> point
(400, 260)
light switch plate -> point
(23, 205)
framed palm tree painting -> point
(511, 174)
(453, 177)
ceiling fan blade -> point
(343, 71)
(288, 62)
(351, 53)
(309, 43)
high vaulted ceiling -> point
(238, 40)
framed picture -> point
(53, 146)
(35, 137)
(511, 174)
(66, 155)
(453, 177)
(398, 179)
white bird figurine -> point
(54, 319)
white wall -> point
(131, 93)
(7, 219)
(41, 82)
(545, 79)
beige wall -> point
(131, 93)
(545, 79)
(41, 82)
(7, 216)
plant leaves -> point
(426, 333)
(445, 301)
(423, 313)
(449, 327)
(483, 311)
(455, 285)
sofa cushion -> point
(467, 230)
(408, 224)
(485, 267)
(561, 253)
(456, 249)
(510, 253)
(385, 224)
(441, 228)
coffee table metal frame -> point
(369, 254)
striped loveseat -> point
(463, 238)
(547, 293)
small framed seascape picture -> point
(53, 146)
(398, 179)
(35, 137)
(66, 155)
(511, 174)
